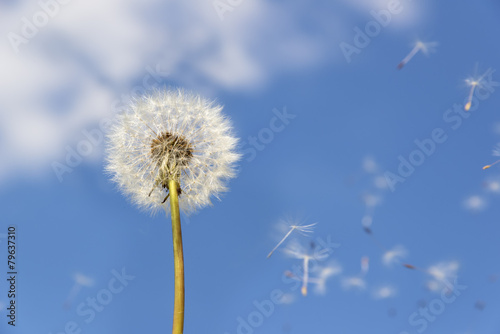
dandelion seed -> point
(394, 255)
(369, 231)
(80, 281)
(305, 276)
(172, 145)
(496, 152)
(384, 292)
(324, 273)
(475, 203)
(480, 305)
(355, 282)
(442, 273)
(475, 82)
(365, 265)
(297, 251)
(426, 48)
(369, 165)
(303, 229)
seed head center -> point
(171, 151)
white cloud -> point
(91, 52)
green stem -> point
(178, 323)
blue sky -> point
(351, 122)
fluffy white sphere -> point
(166, 130)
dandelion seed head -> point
(172, 134)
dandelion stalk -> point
(178, 323)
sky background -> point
(353, 119)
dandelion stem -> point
(178, 322)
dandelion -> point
(303, 229)
(475, 82)
(426, 48)
(172, 144)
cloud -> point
(68, 73)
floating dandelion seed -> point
(297, 251)
(442, 273)
(356, 282)
(324, 274)
(172, 144)
(473, 83)
(303, 229)
(365, 265)
(496, 153)
(80, 281)
(394, 255)
(480, 305)
(426, 48)
(384, 292)
(475, 203)
(306, 255)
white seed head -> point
(172, 134)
